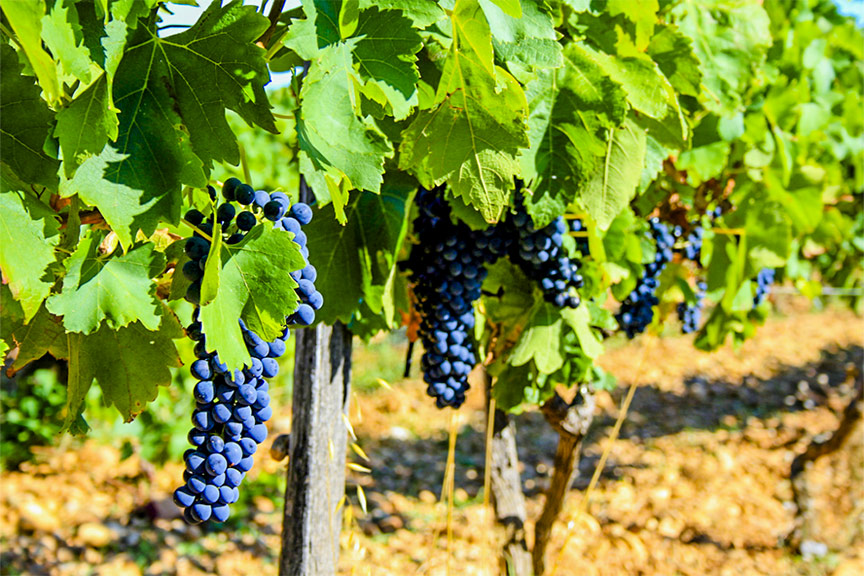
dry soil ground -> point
(697, 483)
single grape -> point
(225, 213)
(246, 220)
(244, 194)
(194, 217)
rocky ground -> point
(697, 483)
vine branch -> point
(571, 421)
(275, 12)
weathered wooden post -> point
(506, 493)
(316, 469)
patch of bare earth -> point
(696, 484)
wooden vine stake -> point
(319, 438)
(316, 468)
(505, 487)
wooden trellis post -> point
(316, 469)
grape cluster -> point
(540, 254)
(447, 269)
(232, 406)
(690, 315)
(764, 280)
(637, 310)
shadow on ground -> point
(405, 466)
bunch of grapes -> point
(764, 280)
(637, 310)
(690, 315)
(233, 405)
(540, 254)
(447, 269)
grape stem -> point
(9, 33)
(730, 231)
(276, 45)
(275, 12)
(246, 173)
(198, 230)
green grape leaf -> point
(512, 8)
(356, 262)
(569, 106)
(614, 185)
(804, 206)
(125, 209)
(673, 53)
(125, 15)
(349, 15)
(579, 320)
(12, 318)
(704, 162)
(43, 334)
(648, 90)
(159, 86)
(329, 133)
(472, 138)
(386, 55)
(179, 283)
(26, 123)
(511, 385)
(423, 13)
(730, 39)
(529, 40)
(116, 289)
(655, 154)
(218, 57)
(157, 155)
(58, 32)
(28, 234)
(254, 286)
(769, 235)
(643, 14)
(326, 21)
(213, 267)
(129, 364)
(509, 297)
(26, 20)
(85, 125)
(541, 340)
(302, 37)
